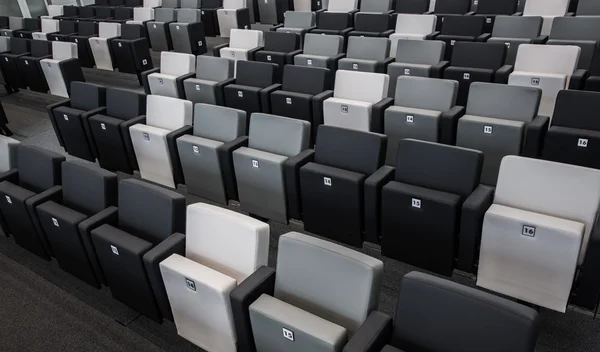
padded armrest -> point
(372, 206)
(535, 132)
(428, 13)
(484, 37)
(11, 175)
(570, 14)
(253, 51)
(274, 28)
(588, 285)
(470, 13)
(85, 121)
(265, 97)
(471, 223)
(174, 244)
(289, 57)
(291, 171)
(432, 35)
(318, 112)
(106, 216)
(50, 108)
(542, 39)
(578, 79)
(517, 14)
(502, 74)
(174, 153)
(373, 334)
(377, 114)
(225, 155)
(449, 120)
(55, 194)
(381, 66)
(179, 83)
(332, 62)
(262, 281)
(127, 139)
(219, 90)
(344, 32)
(387, 33)
(217, 49)
(144, 76)
(437, 70)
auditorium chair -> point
(358, 102)
(534, 237)
(168, 79)
(131, 52)
(493, 8)
(583, 32)
(431, 117)
(14, 24)
(70, 118)
(139, 238)
(243, 44)
(152, 3)
(321, 51)
(4, 23)
(431, 181)
(86, 31)
(369, 24)
(498, 129)
(206, 154)
(308, 5)
(141, 16)
(254, 82)
(513, 31)
(298, 22)
(334, 23)
(66, 29)
(410, 6)
(54, 11)
(101, 45)
(86, 14)
(209, 16)
(17, 47)
(102, 14)
(62, 69)
(109, 129)
(587, 8)
(592, 82)
(212, 74)
(416, 27)
(547, 9)
(187, 32)
(69, 13)
(551, 68)
(267, 169)
(122, 15)
(158, 29)
(419, 58)
(333, 185)
(222, 250)
(4, 130)
(287, 310)
(49, 26)
(35, 180)
(8, 157)
(280, 49)
(272, 12)
(30, 68)
(431, 315)
(174, 4)
(375, 6)
(67, 220)
(234, 15)
(30, 25)
(444, 8)
(461, 29)
(366, 54)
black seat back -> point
(471, 26)
(306, 80)
(124, 104)
(116, 2)
(67, 27)
(20, 46)
(88, 28)
(88, 188)
(411, 6)
(256, 74)
(101, 2)
(70, 11)
(87, 12)
(334, 21)
(132, 31)
(459, 7)
(372, 22)
(104, 12)
(577, 109)
(87, 96)
(32, 24)
(123, 13)
(497, 7)
(41, 48)
(478, 55)
(39, 169)
(4, 22)
(134, 3)
(281, 42)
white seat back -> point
(64, 50)
(49, 25)
(152, 3)
(8, 153)
(55, 10)
(168, 113)
(245, 39)
(415, 24)
(361, 86)
(176, 64)
(142, 14)
(546, 7)
(342, 5)
(234, 4)
(554, 59)
(302, 5)
(109, 30)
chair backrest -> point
(176, 64)
(281, 42)
(219, 123)
(171, 3)
(588, 8)
(234, 4)
(375, 5)
(168, 113)
(426, 93)
(546, 7)
(125, 104)
(368, 48)
(577, 109)
(323, 45)
(152, 3)
(87, 28)
(71, 10)
(349, 149)
(256, 74)
(411, 6)
(555, 189)
(314, 285)
(104, 12)
(19, 46)
(4, 44)
(278, 135)
(15, 23)
(372, 22)
(342, 5)
(293, 19)
(39, 168)
(497, 7)
(143, 14)
(41, 48)
(226, 241)
(245, 38)
(165, 14)
(362, 86)
(87, 12)
(98, 185)
(87, 96)
(49, 25)
(459, 7)
(423, 52)
(435, 314)
(471, 26)
(336, 21)
(150, 212)
(437, 166)
(576, 28)
(191, 4)
(8, 153)
(415, 24)
(478, 55)
(123, 13)
(32, 24)
(306, 80)
(517, 26)
(131, 31)
(489, 100)
(213, 68)
(189, 15)
(536, 58)
(64, 50)
(67, 27)
(55, 10)
(109, 30)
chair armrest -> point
(174, 244)
(332, 62)
(144, 76)
(542, 39)
(225, 155)
(353, 12)
(432, 35)
(289, 57)
(262, 281)
(274, 28)
(470, 13)
(11, 175)
(372, 194)
(54, 193)
(517, 14)
(318, 111)
(265, 97)
(570, 14)
(387, 33)
(428, 13)
(174, 153)
(484, 37)
(381, 66)
(291, 171)
(471, 223)
(587, 285)
(502, 74)
(578, 79)
(253, 51)
(217, 49)
(437, 70)
(377, 113)
(179, 83)
(85, 121)
(106, 216)
(344, 32)
(127, 139)
(449, 120)
(372, 335)
(219, 94)
(535, 132)
(50, 109)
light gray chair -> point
(583, 32)
(321, 51)
(513, 31)
(187, 32)
(298, 22)
(158, 29)
(376, 6)
(588, 8)
(366, 54)
(212, 74)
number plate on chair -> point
(177, 27)
(466, 76)
(55, 222)
(196, 149)
(26, 62)
(114, 249)
(120, 45)
(410, 119)
(345, 109)
(200, 43)
(288, 334)
(144, 62)
(535, 81)
(255, 163)
(76, 41)
(487, 129)
(66, 117)
(355, 66)
(146, 136)
(240, 94)
(8, 199)
(103, 126)
(407, 71)
(488, 20)
(327, 181)
(268, 57)
(154, 26)
(507, 44)
(288, 101)
(190, 284)
(309, 62)
(416, 203)
(197, 87)
(452, 42)
(582, 142)
(528, 231)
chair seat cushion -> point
(162, 84)
(357, 65)
(152, 153)
(549, 83)
(311, 60)
(564, 144)
(346, 113)
(200, 90)
(234, 53)
(101, 51)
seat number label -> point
(582, 142)
(154, 26)
(466, 76)
(288, 334)
(144, 62)
(487, 129)
(507, 44)
(177, 27)
(528, 231)
(103, 126)
(190, 284)
(345, 109)
(410, 118)
(232, 54)
(240, 94)
(288, 101)
(488, 20)
(197, 87)
(327, 181)
(200, 43)
(66, 117)
(407, 71)
(416, 203)
(196, 149)
(160, 81)
(26, 62)
(146, 136)
(355, 66)
(55, 222)
(535, 81)
(452, 42)
(8, 199)
(114, 250)
(120, 45)
(76, 40)
(255, 163)
(309, 62)
(268, 57)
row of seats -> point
(205, 268)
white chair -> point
(412, 27)
(8, 153)
(152, 3)
(141, 15)
(342, 6)
(174, 68)
(100, 45)
(53, 11)
(62, 69)
(48, 26)
(547, 9)
(241, 43)
(234, 14)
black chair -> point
(492, 8)
(411, 6)
(254, 82)
(66, 29)
(69, 13)
(445, 8)
(131, 51)
(335, 23)
(368, 24)
(122, 15)
(9, 62)
(280, 49)
(31, 25)
(86, 13)
(86, 30)
(461, 29)
(29, 65)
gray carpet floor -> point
(42, 308)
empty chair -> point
(70, 12)
(280, 49)
(100, 45)
(267, 168)
(131, 52)
(152, 3)
(102, 14)
(243, 44)
(123, 15)
(369, 24)
(420, 58)
(350, 6)
(547, 9)
(30, 68)
(587, 8)
(86, 14)
(583, 32)
(171, 4)
(298, 22)
(253, 84)
(168, 79)
(17, 47)
(321, 51)
(366, 55)
(142, 15)
(358, 102)
(14, 24)
(376, 6)
(187, 32)
(272, 12)
(34, 181)
(513, 31)
(222, 249)
(592, 82)
(53, 11)
(139, 239)
(428, 117)
(445, 8)
(158, 29)
(209, 17)
(430, 316)
(62, 69)
(307, 5)
(86, 31)
(109, 129)
(206, 155)
(493, 8)
(530, 203)
(49, 26)
(498, 129)
(66, 29)
(548, 67)
(417, 27)
(411, 6)
(234, 15)
(212, 74)
(68, 219)
(461, 29)
(8, 153)
(334, 23)
(30, 25)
